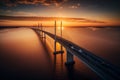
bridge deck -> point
(103, 68)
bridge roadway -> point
(102, 68)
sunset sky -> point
(84, 12)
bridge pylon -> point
(55, 42)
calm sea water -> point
(23, 55)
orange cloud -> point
(27, 18)
(32, 2)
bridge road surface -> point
(103, 68)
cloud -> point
(16, 13)
(28, 18)
(75, 6)
(61, 7)
(19, 13)
(8, 11)
(11, 3)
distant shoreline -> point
(2, 27)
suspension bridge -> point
(102, 68)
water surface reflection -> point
(22, 55)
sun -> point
(60, 25)
(59, 28)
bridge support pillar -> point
(40, 33)
(44, 35)
(70, 60)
